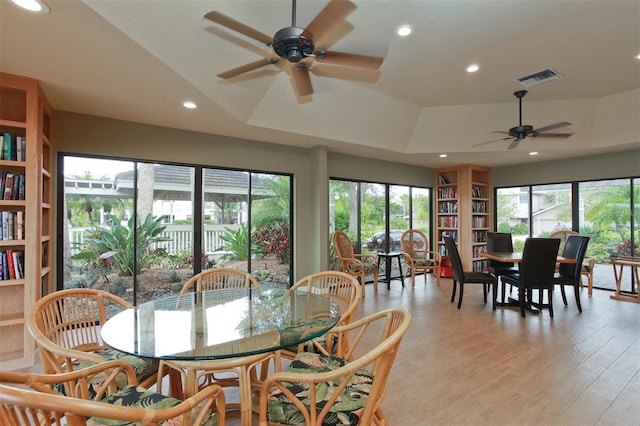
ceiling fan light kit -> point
(296, 44)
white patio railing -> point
(180, 238)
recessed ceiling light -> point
(533, 153)
(473, 68)
(638, 56)
(443, 155)
(404, 30)
(189, 105)
(37, 6)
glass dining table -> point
(222, 324)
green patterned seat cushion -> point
(144, 367)
(293, 333)
(424, 262)
(345, 411)
(142, 398)
(369, 268)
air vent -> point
(540, 77)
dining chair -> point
(500, 242)
(66, 328)
(244, 373)
(588, 263)
(569, 273)
(343, 387)
(355, 264)
(91, 396)
(462, 277)
(536, 273)
(217, 278)
(339, 287)
(418, 257)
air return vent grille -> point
(539, 77)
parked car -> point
(376, 241)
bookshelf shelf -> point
(463, 210)
(25, 216)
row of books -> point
(11, 225)
(12, 186)
(479, 206)
(11, 264)
(448, 207)
(476, 191)
(448, 221)
(13, 148)
(449, 192)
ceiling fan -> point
(520, 132)
(297, 45)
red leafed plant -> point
(273, 239)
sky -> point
(97, 167)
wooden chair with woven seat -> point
(240, 372)
(588, 263)
(418, 257)
(340, 287)
(343, 387)
(355, 264)
(90, 396)
(66, 329)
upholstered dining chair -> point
(569, 273)
(344, 387)
(66, 329)
(418, 257)
(340, 287)
(245, 373)
(588, 263)
(462, 277)
(536, 273)
(90, 396)
(355, 264)
(500, 242)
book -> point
(17, 257)
(19, 225)
(11, 267)
(19, 154)
(8, 143)
(8, 186)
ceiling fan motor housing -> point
(521, 132)
(289, 43)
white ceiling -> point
(138, 60)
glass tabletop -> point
(219, 324)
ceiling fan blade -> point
(552, 126)
(515, 143)
(551, 135)
(301, 80)
(349, 59)
(493, 141)
(247, 67)
(232, 24)
(333, 12)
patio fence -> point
(180, 238)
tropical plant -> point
(273, 239)
(236, 241)
(113, 246)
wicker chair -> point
(245, 373)
(325, 388)
(342, 288)
(355, 264)
(213, 279)
(90, 396)
(418, 257)
(66, 328)
(587, 264)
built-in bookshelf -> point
(25, 212)
(463, 210)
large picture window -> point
(374, 215)
(174, 220)
(608, 211)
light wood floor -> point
(478, 367)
